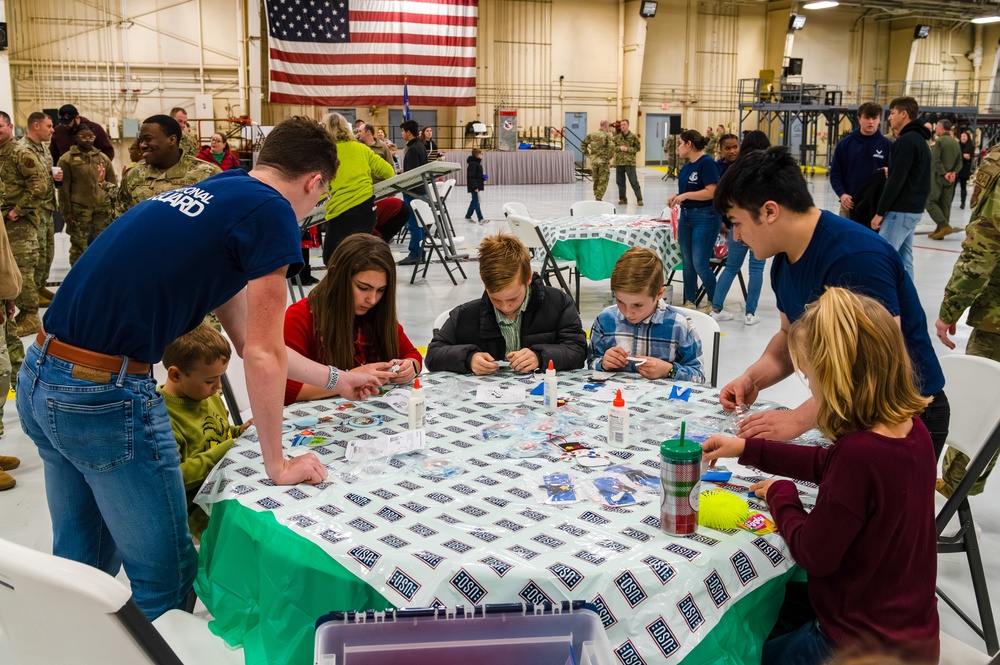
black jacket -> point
(909, 182)
(474, 174)
(866, 198)
(968, 148)
(416, 155)
(550, 326)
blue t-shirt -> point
(155, 273)
(842, 254)
(696, 176)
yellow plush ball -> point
(719, 509)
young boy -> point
(518, 319)
(84, 197)
(641, 325)
(195, 364)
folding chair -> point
(518, 209)
(434, 244)
(528, 233)
(973, 384)
(586, 208)
(710, 334)
(439, 321)
(54, 610)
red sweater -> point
(229, 160)
(300, 336)
(870, 544)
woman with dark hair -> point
(217, 152)
(736, 252)
(427, 136)
(349, 319)
(698, 226)
(964, 173)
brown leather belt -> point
(91, 359)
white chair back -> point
(515, 209)
(955, 652)
(972, 384)
(526, 231)
(586, 208)
(709, 332)
(444, 188)
(423, 212)
(439, 321)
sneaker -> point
(8, 463)
(29, 324)
(722, 315)
(705, 306)
(410, 261)
(751, 319)
(623, 202)
(687, 304)
(468, 219)
(6, 481)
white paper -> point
(387, 446)
(630, 391)
(397, 399)
(496, 395)
(637, 361)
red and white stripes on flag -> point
(320, 56)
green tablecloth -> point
(243, 576)
(595, 258)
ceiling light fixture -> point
(821, 4)
(986, 19)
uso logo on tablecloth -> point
(716, 589)
(744, 567)
(499, 566)
(405, 585)
(523, 552)
(630, 588)
(770, 551)
(533, 594)
(663, 570)
(431, 559)
(422, 530)
(607, 618)
(690, 612)
(467, 585)
(629, 655)
(664, 638)
(685, 552)
(394, 541)
(593, 518)
(357, 499)
(570, 577)
(389, 514)
(366, 557)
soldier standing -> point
(39, 133)
(946, 162)
(975, 285)
(189, 138)
(25, 184)
(89, 182)
(628, 146)
(163, 166)
(600, 145)
(713, 143)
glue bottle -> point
(551, 389)
(618, 423)
(416, 407)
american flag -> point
(357, 52)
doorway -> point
(576, 124)
(657, 133)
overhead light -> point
(987, 19)
(821, 4)
(921, 31)
(647, 9)
(796, 22)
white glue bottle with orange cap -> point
(618, 423)
(550, 389)
(416, 407)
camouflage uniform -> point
(600, 145)
(84, 202)
(712, 146)
(143, 181)
(625, 165)
(975, 284)
(674, 160)
(46, 227)
(190, 145)
(946, 157)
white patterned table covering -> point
(482, 537)
(630, 230)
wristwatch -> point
(673, 371)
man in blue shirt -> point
(770, 209)
(858, 155)
(87, 397)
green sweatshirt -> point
(353, 183)
(203, 436)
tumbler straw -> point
(683, 425)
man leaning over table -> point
(87, 398)
(766, 199)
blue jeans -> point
(897, 228)
(735, 253)
(112, 476)
(416, 231)
(474, 207)
(697, 230)
(805, 646)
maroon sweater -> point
(870, 544)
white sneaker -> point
(751, 319)
(722, 315)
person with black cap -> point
(63, 138)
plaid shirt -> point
(666, 334)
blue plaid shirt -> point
(666, 334)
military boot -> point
(28, 324)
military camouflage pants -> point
(12, 355)
(46, 248)
(87, 221)
(4, 368)
(602, 173)
(23, 236)
(986, 345)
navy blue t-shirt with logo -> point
(155, 273)
(841, 254)
(696, 176)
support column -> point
(633, 54)
(254, 80)
(6, 91)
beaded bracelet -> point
(334, 378)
